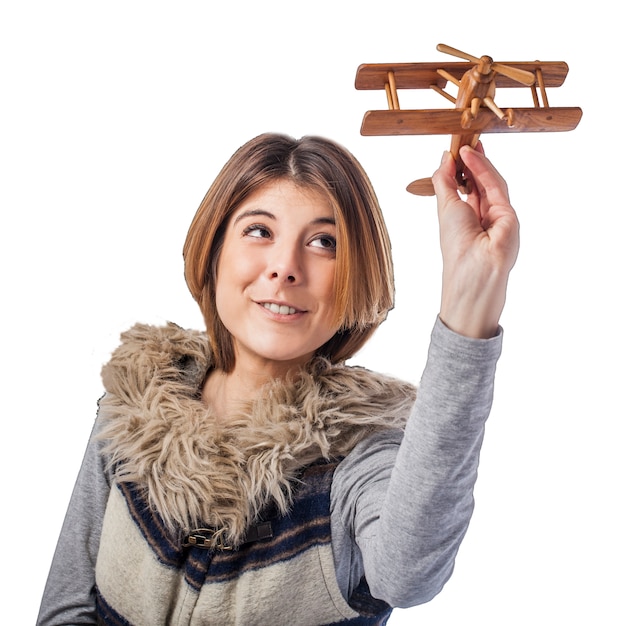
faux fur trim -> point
(199, 472)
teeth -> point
(282, 310)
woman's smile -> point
(280, 309)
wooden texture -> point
(485, 64)
(422, 187)
(423, 75)
(475, 111)
(448, 121)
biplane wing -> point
(397, 121)
(449, 121)
(373, 76)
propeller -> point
(522, 76)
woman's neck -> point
(226, 392)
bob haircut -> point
(364, 282)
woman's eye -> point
(256, 230)
(327, 242)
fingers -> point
(488, 187)
(453, 212)
(443, 179)
(488, 180)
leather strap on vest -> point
(210, 539)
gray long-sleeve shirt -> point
(401, 503)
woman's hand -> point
(479, 240)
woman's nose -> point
(289, 277)
(285, 265)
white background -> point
(115, 117)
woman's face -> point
(275, 277)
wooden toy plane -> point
(475, 111)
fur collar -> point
(197, 472)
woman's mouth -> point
(282, 309)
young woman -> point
(247, 475)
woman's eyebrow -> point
(252, 213)
(255, 212)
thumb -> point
(444, 182)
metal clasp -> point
(206, 539)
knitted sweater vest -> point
(286, 578)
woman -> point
(250, 476)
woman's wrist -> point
(473, 309)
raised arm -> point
(402, 506)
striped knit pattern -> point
(287, 579)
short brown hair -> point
(364, 284)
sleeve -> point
(69, 594)
(401, 506)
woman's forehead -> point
(283, 195)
